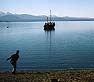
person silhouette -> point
(13, 59)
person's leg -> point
(14, 68)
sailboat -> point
(49, 25)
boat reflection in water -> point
(49, 25)
(50, 42)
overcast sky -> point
(73, 8)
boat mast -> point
(50, 15)
(47, 19)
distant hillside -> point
(9, 17)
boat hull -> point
(49, 26)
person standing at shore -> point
(13, 59)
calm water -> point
(71, 45)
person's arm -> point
(12, 56)
(8, 58)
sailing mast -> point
(49, 25)
(47, 19)
(50, 15)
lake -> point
(70, 46)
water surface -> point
(71, 45)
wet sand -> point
(46, 76)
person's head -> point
(17, 51)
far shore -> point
(45, 21)
(47, 75)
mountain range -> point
(9, 17)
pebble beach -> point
(47, 76)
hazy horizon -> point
(61, 8)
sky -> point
(72, 8)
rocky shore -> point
(48, 76)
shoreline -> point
(72, 75)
